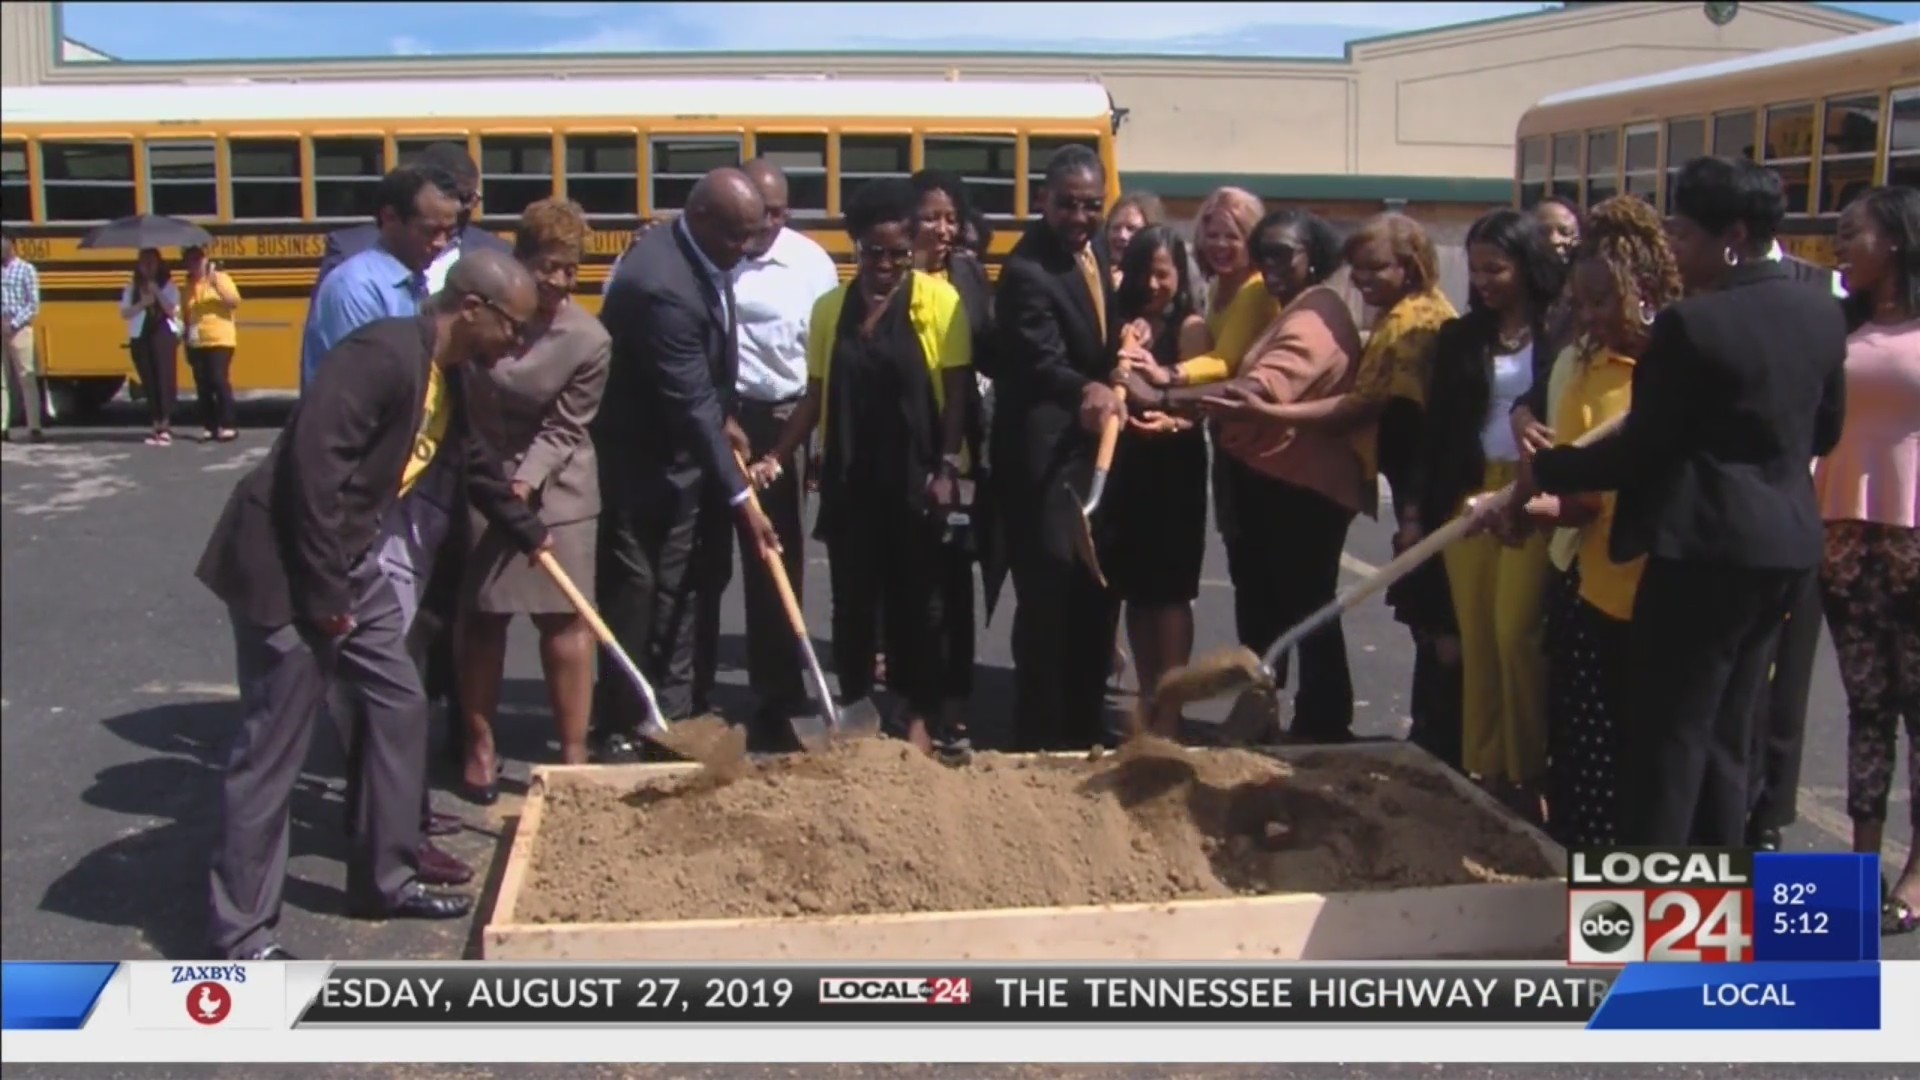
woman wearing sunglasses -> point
(889, 358)
(534, 407)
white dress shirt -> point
(776, 294)
(437, 270)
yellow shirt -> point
(1564, 546)
(1235, 326)
(1598, 389)
(208, 320)
(1398, 362)
(939, 321)
(434, 418)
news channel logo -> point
(1606, 927)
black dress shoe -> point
(1765, 840)
(614, 750)
(266, 953)
(482, 794)
(415, 902)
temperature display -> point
(1816, 907)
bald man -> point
(320, 555)
(667, 433)
(776, 284)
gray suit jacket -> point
(534, 409)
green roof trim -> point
(1441, 189)
(1346, 57)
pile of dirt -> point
(875, 827)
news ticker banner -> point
(1705, 905)
(466, 995)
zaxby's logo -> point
(209, 1003)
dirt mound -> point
(875, 827)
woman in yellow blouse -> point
(1622, 276)
(889, 358)
(208, 305)
(1239, 308)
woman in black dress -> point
(1156, 527)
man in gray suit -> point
(319, 556)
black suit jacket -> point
(670, 383)
(344, 244)
(1050, 346)
(1738, 391)
(297, 524)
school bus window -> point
(1533, 171)
(265, 175)
(1686, 140)
(1643, 161)
(16, 191)
(408, 148)
(1603, 166)
(516, 171)
(87, 181)
(803, 158)
(181, 179)
(984, 165)
(1848, 148)
(679, 163)
(1903, 139)
(1733, 134)
(603, 174)
(864, 158)
(1566, 166)
(1788, 151)
(1040, 151)
(346, 176)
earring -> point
(1731, 256)
(1647, 313)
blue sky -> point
(145, 31)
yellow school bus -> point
(1831, 119)
(269, 168)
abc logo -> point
(1606, 927)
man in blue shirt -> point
(417, 210)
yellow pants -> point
(1498, 599)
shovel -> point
(859, 720)
(705, 739)
(1075, 516)
(1253, 677)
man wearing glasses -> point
(1053, 394)
(452, 159)
(318, 564)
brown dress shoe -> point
(439, 868)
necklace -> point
(1513, 343)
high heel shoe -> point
(483, 794)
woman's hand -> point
(1531, 435)
(1240, 401)
(943, 489)
(762, 474)
(1155, 422)
(1544, 509)
(1152, 373)
(1409, 534)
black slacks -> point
(213, 385)
(1781, 720)
(1284, 557)
(156, 360)
(1702, 636)
(773, 661)
(665, 557)
(886, 561)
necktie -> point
(1090, 269)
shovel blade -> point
(1067, 514)
(1254, 719)
(812, 733)
(860, 720)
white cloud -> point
(1120, 27)
(406, 45)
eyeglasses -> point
(1274, 254)
(517, 327)
(886, 256)
(1070, 204)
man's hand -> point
(1140, 392)
(737, 439)
(758, 528)
(1531, 435)
(546, 545)
(761, 474)
(943, 489)
(334, 626)
(1098, 402)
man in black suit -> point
(320, 556)
(1741, 386)
(667, 434)
(448, 157)
(1052, 394)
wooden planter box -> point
(1518, 920)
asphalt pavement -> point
(118, 698)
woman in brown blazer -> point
(534, 410)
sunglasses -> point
(516, 326)
(1070, 204)
(886, 256)
(1274, 254)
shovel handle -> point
(775, 566)
(1110, 434)
(602, 631)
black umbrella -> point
(147, 231)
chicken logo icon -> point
(209, 1003)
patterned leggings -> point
(1871, 589)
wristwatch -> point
(951, 463)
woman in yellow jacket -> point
(889, 357)
(1623, 275)
(209, 300)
